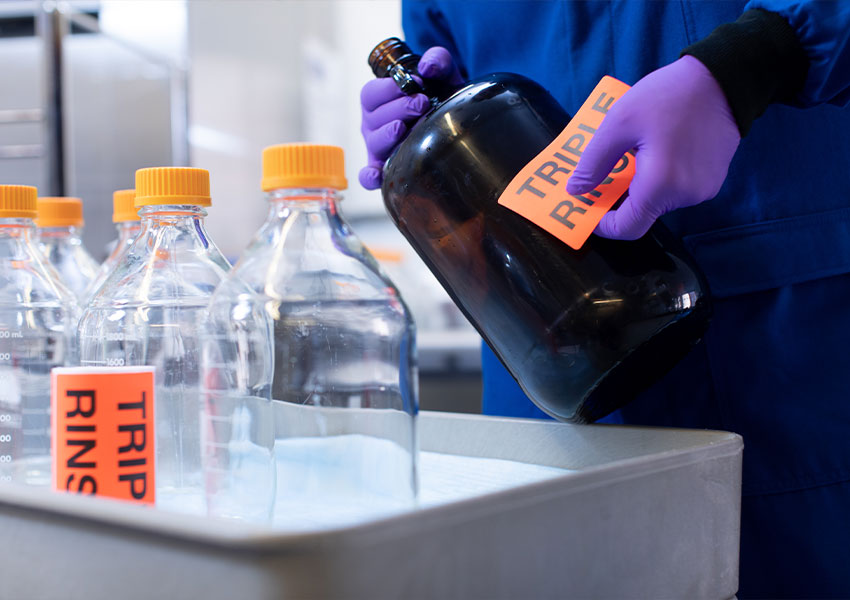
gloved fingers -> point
(629, 222)
(602, 153)
(387, 111)
(406, 108)
(437, 63)
(371, 177)
(381, 142)
(649, 195)
(685, 134)
(376, 92)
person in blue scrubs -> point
(774, 242)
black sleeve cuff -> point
(757, 60)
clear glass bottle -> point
(37, 319)
(128, 225)
(150, 311)
(60, 225)
(345, 377)
(237, 427)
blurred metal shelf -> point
(449, 351)
(22, 115)
(82, 107)
(53, 22)
(21, 151)
(450, 370)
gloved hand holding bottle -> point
(527, 295)
(388, 113)
(677, 118)
(680, 123)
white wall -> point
(266, 72)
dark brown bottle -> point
(582, 331)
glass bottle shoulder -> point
(125, 240)
(70, 252)
(165, 265)
(27, 278)
(310, 256)
(75, 266)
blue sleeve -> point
(425, 25)
(823, 29)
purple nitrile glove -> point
(678, 120)
(388, 113)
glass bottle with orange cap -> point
(38, 315)
(128, 225)
(60, 225)
(344, 349)
(149, 312)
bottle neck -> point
(182, 217)
(128, 230)
(301, 220)
(394, 59)
(17, 229)
(59, 234)
(170, 213)
(437, 90)
(171, 226)
(284, 203)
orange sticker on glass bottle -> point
(103, 432)
(539, 191)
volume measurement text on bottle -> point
(5, 438)
(6, 334)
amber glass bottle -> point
(581, 331)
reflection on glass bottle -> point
(581, 331)
(150, 312)
(38, 316)
(344, 347)
(128, 225)
(60, 223)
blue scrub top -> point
(774, 245)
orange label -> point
(539, 191)
(103, 432)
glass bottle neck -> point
(283, 203)
(393, 58)
(17, 229)
(128, 230)
(58, 234)
(171, 226)
(170, 214)
(437, 90)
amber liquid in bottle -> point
(582, 331)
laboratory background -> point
(210, 84)
(424, 299)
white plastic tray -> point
(648, 513)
